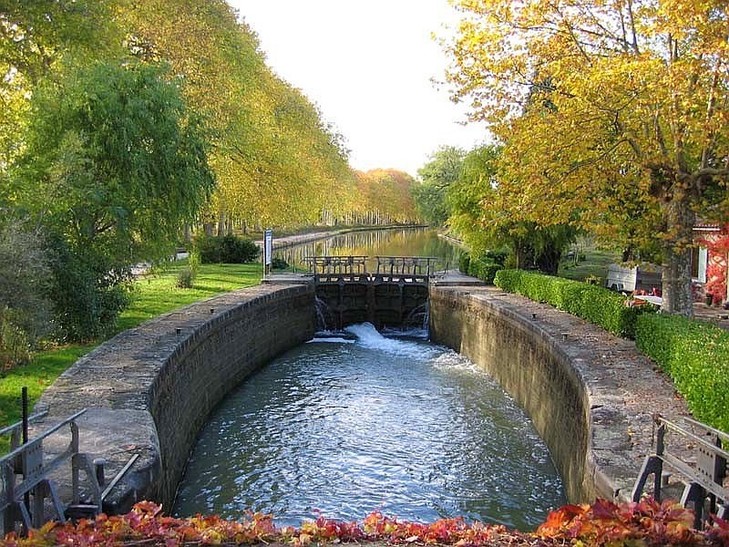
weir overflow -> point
(394, 294)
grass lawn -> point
(154, 295)
(595, 263)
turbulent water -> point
(343, 426)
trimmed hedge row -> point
(696, 357)
(483, 267)
(694, 354)
(595, 304)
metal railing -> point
(389, 268)
(26, 485)
(705, 491)
(405, 265)
(337, 265)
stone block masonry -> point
(150, 389)
(591, 396)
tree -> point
(607, 110)
(35, 36)
(436, 177)
(471, 200)
(38, 40)
(275, 160)
(384, 196)
(477, 214)
(114, 166)
(24, 307)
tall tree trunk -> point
(677, 296)
(221, 223)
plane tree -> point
(275, 160)
(612, 113)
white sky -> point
(368, 65)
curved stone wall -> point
(590, 395)
(150, 389)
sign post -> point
(267, 252)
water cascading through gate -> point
(390, 296)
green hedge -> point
(696, 356)
(590, 302)
(226, 250)
(483, 267)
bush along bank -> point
(694, 354)
(696, 357)
(595, 304)
(484, 267)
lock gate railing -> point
(28, 496)
(705, 490)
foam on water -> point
(368, 337)
(331, 340)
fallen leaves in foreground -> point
(646, 524)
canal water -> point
(357, 422)
(390, 242)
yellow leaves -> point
(273, 160)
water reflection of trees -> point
(395, 242)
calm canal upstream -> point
(390, 242)
(343, 426)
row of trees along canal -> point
(122, 122)
(610, 117)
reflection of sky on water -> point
(396, 242)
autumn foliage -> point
(603, 523)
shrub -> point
(484, 270)
(14, 341)
(25, 276)
(696, 356)
(278, 263)
(483, 266)
(88, 293)
(590, 302)
(226, 250)
(464, 262)
(185, 278)
(498, 257)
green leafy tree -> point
(436, 177)
(478, 216)
(38, 40)
(36, 35)
(468, 200)
(115, 165)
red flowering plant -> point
(716, 269)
